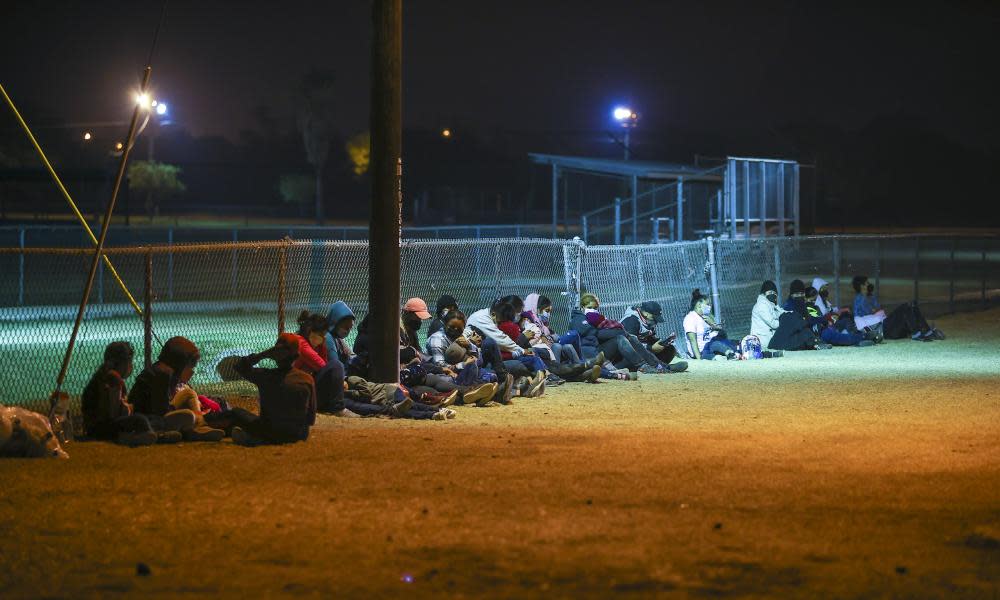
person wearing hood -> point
(828, 327)
(641, 322)
(600, 335)
(161, 390)
(287, 396)
(558, 353)
(796, 302)
(360, 395)
(823, 302)
(449, 347)
(777, 328)
(445, 304)
(327, 371)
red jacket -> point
(310, 359)
(513, 331)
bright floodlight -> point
(161, 108)
(142, 100)
(446, 133)
(622, 114)
(87, 136)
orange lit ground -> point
(847, 473)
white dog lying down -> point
(27, 434)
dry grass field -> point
(861, 472)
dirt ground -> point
(846, 473)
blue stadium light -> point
(161, 108)
(625, 116)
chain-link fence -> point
(235, 297)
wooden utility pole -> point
(386, 164)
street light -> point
(627, 119)
(87, 136)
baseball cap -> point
(418, 306)
(654, 309)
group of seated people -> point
(484, 359)
(806, 320)
(487, 358)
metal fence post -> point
(170, 264)
(916, 271)
(635, 209)
(282, 271)
(496, 272)
(232, 283)
(618, 221)
(656, 230)
(20, 281)
(680, 210)
(777, 266)
(836, 271)
(641, 263)
(951, 277)
(713, 279)
(584, 227)
(147, 312)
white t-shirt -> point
(695, 323)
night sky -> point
(523, 65)
(881, 97)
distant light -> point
(161, 108)
(153, 103)
(119, 146)
(87, 136)
(446, 133)
(621, 113)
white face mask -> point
(706, 309)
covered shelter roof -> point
(642, 169)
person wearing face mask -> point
(449, 347)
(904, 321)
(823, 302)
(641, 322)
(828, 327)
(779, 329)
(705, 338)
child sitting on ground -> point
(107, 415)
(287, 396)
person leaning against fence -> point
(287, 396)
(162, 395)
(705, 338)
(107, 415)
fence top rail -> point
(264, 245)
(273, 227)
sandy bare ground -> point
(846, 473)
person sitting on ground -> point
(449, 348)
(598, 334)
(161, 390)
(360, 395)
(904, 321)
(528, 379)
(778, 329)
(641, 322)
(796, 303)
(823, 302)
(538, 310)
(445, 305)
(107, 415)
(506, 314)
(287, 396)
(705, 338)
(561, 360)
(826, 327)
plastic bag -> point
(27, 434)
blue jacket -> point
(590, 336)
(338, 312)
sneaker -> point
(401, 408)
(206, 434)
(677, 367)
(449, 398)
(137, 438)
(449, 413)
(773, 353)
(865, 343)
(241, 437)
(440, 415)
(169, 437)
(503, 395)
(597, 360)
(593, 375)
(439, 400)
(521, 385)
(554, 380)
(536, 386)
(937, 333)
(480, 395)
(632, 375)
(346, 413)
(657, 370)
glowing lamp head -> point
(119, 146)
(446, 133)
(161, 108)
(87, 136)
(621, 113)
(142, 100)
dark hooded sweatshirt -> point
(151, 392)
(287, 397)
